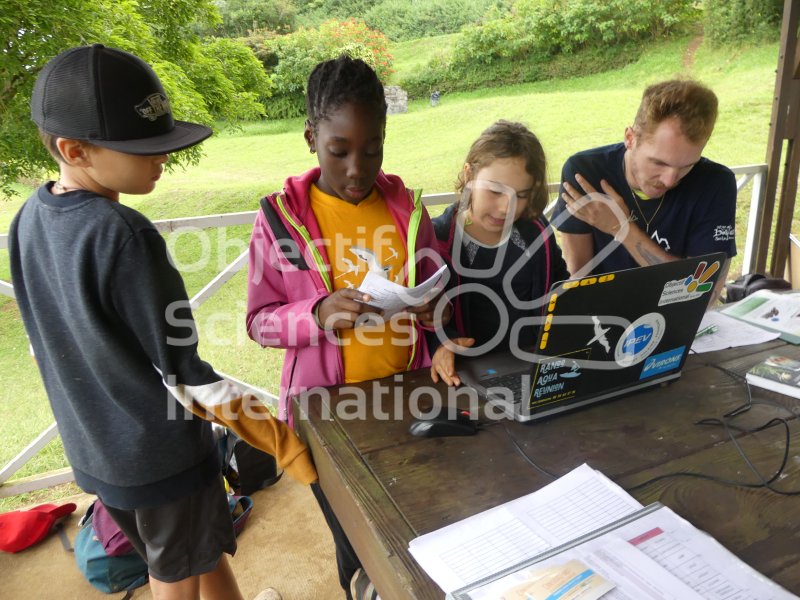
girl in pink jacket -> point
(301, 292)
(315, 241)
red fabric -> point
(20, 529)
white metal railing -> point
(745, 174)
(758, 175)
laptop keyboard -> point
(512, 382)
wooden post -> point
(784, 126)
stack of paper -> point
(501, 537)
(583, 536)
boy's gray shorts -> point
(183, 538)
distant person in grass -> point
(110, 325)
(315, 241)
(671, 202)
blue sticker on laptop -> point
(640, 339)
(661, 363)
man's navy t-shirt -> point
(696, 217)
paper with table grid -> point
(572, 506)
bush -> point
(289, 59)
(534, 40)
(735, 20)
(444, 77)
(313, 13)
(549, 27)
(241, 16)
(588, 23)
(408, 20)
(500, 38)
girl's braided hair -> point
(340, 81)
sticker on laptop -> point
(600, 335)
(557, 378)
(690, 287)
(662, 362)
(639, 339)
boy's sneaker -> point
(268, 594)
(361, 588)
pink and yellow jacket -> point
(289, 273)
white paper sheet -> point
(730, 333)
(392, 297)
(496, 539)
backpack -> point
(107, 558)
(109, 574)
(247, 469)
(752, 282)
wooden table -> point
(388, 487)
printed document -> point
(728, 333)
(501, 537)
(655, 556)
(392, 297)
(771, 310)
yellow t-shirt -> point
(360, 238)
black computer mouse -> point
(443, 424)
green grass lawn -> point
(426, 146)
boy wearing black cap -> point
(110, 325)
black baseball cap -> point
(109, 98)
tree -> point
(159, 31)
(33, 31)
(233, 79)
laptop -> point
(602, 336)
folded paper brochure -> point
(392, 297)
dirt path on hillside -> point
(688, 56)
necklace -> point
(635, 197)
(60, 188)
(641, 212)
